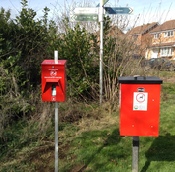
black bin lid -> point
(139, 80)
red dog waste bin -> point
(139, 105)
(53, 76)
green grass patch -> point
(90, 143)
(23, 148)
(103, 150)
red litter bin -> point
(53, 76)
(139, 105)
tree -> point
(76, 45)
(24, 43)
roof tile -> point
(168, 25)
(142, 29)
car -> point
(159, 63)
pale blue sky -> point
(149, 10)
(36, 5)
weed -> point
(89, 140)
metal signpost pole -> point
(101, 49)
(56, 122)
(135, 154)
(92, 14)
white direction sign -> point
(86, 10)
(84, 17)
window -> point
(156, 36)
(168, 34)
(166, 51)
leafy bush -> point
(24, 42)
(82, 74)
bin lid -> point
(139, 80)
(52, 62)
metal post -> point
(56, 57)
(56, 122)
(101, 50)
(135, 154)
(56, 136)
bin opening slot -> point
(56, 82)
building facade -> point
(141, 38)
(163, 41)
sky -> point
(36, 5)
(146, 11)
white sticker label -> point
(140, 101)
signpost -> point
(101, 13)
(97, 14)
(86, 10)
(85, 14)
(84, 17)
(118, 10)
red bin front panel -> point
(139, 109)
(53, 76)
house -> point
(140, 37)
(163, 41)
(112, 32)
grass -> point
(90, 141)
(22, 149)
(101, 148)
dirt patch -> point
(78, 168)
(42, 158)
(169, 80)
(72, 116)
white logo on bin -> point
(140, 97)
(53, 99)
(140, 101)
(53, 73)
